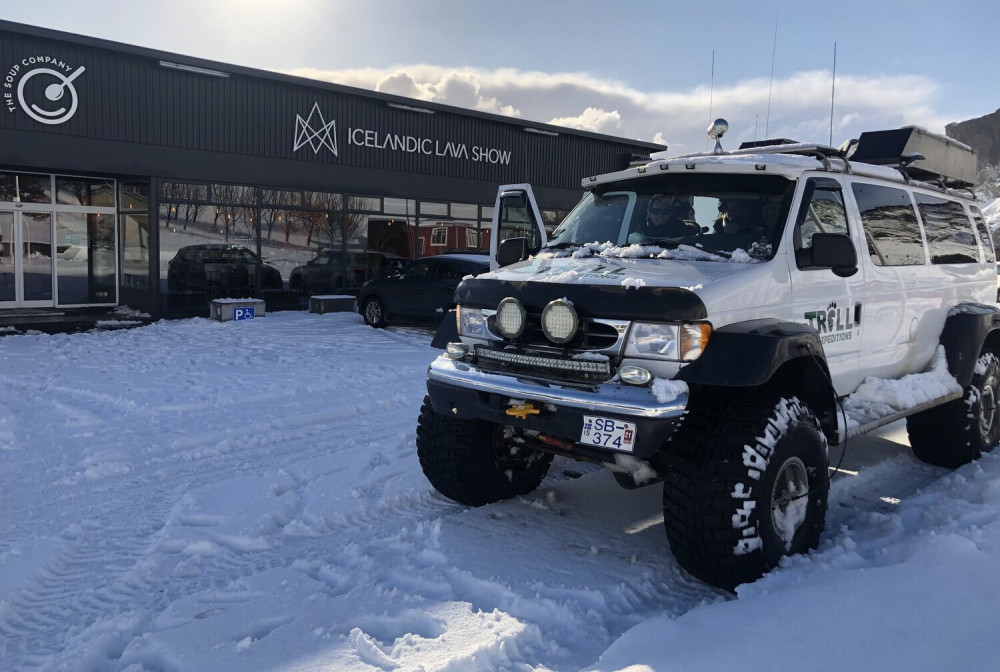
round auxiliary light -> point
(634, 375)
(559, 321)
(511, 318)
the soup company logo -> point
(42, 87)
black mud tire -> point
(735, 456)
(960, 431)
(373, 311)
(470, 462)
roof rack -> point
(919, 154)
(822, 152)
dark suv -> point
(328, 272)
(219, 270)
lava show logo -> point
(42, 87)
(315, 132)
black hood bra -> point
(613, 302)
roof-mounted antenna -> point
(770, 85)
(833, 89)
(711, 92)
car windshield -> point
(721, 216)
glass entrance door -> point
(26, 255)
(8, 275)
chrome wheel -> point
(788, 505)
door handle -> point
(857, 313)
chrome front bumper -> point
(603, 399)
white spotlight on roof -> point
(716, 131)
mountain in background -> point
(983, 135)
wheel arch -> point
(967, 330)
(785, 355)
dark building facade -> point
(140, 178)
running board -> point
(871, 425)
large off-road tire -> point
(374, 312)
(746, 484)
(960, 431)
(472, 463)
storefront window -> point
(25, 188)
(85, 191)
(183, 191)
(365, 203)
(427, 208)
(277, 197)
(85, 261)
(234, 194)
(133, 195)
(464, 211)
(135, 250)
(399, 206)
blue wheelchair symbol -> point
(243, 313)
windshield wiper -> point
(665, 243)
(560, 246)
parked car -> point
(423, 290)
(219, 269)
(328, 272)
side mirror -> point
(836, 252)
(511, 251)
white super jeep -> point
(714, 322)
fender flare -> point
(447, 331)
(789, 355)
(967, 328)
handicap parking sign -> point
(243, 313)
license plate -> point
(608, 433)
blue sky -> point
(637, 69)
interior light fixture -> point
(193, 68)
(539, 131)
(410, 108)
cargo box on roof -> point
(943, 157)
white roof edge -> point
(787, 165)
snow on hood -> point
(626, 271)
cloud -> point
(797, 106)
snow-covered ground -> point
(196, 495)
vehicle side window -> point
(517, 220)
(822, 211)
(891, 227)
(446, 270)
(419, 269)
(950, 235)
(989, 245)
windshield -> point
(718, 214)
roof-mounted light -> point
(716, 131)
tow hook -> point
(522, 411)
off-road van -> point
(801, 295)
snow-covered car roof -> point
(788, 165)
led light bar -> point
(578, 365)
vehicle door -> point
(516, 218)
(896, 273)
(404, 293)
(438, 294)
(832, 305)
